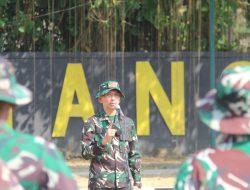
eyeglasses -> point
(116, 95)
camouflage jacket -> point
(112, 163)
(8, 180)
(36, 163)
(226, 167)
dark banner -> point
(160, 93)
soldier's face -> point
(110, 100)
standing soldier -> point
(226, 110)
(36, 163)
(109, 139)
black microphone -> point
(118, 133)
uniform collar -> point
(5, 128)
(104, 116)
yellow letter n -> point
(173, 112)
(74, 83)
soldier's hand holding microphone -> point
(110, 133)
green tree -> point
(121, 25)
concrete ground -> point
(157, 174)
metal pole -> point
(212, 58)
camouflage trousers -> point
(123, 188)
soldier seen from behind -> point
(8, 180)
(109, 139)
(36, 163)
(227, 111)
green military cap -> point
(107, 86)
(10, 91)
(227, 108)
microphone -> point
(119, 110)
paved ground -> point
(157, 174)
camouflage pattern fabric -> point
(227, 108)
(8, 181)
(112, 163)
(10, 90)
(107, 86)
(36, 163)
(226, 167)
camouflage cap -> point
(106, 87)
(10, 90)
(227, 108)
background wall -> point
(46, 74)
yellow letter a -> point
(74, 82)
(147, 83)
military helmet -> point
(107, 86)
(227, 108)
(11, 91)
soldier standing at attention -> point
(36, 163)
(227, 111)
(109, 139)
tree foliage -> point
(122, 25)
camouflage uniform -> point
(35, 162)
(226, 110)
(112, 163)
(8, 181)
